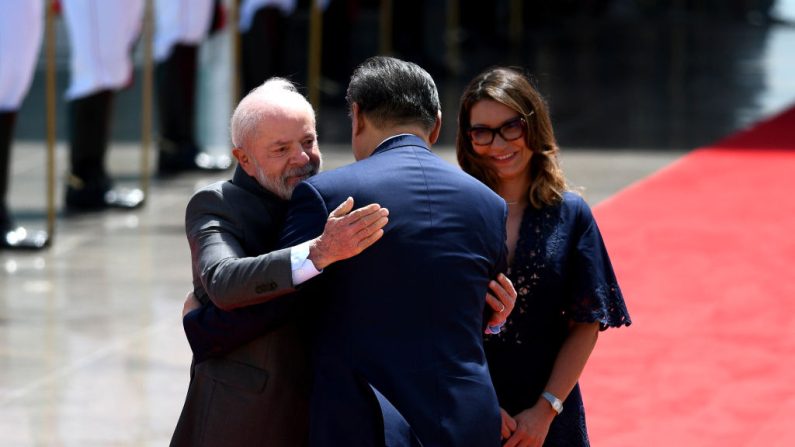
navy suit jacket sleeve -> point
(214, 332)
(306, 217)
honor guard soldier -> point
(101, 34)
(20, 38)
(181, 26)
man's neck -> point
(393, 137)
(376, 137)
(400, 130)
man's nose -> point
(299, 156)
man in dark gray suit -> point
(257, 394)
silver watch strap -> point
(557, 405)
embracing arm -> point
(242, 290)
(212, 332)
(229, 276)
(232, 279)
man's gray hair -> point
(247, 116)
(392, 91)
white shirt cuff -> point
(302, 267)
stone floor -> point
(92, 351)
(91, 346)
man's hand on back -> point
(348, 233)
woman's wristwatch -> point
(557, 405)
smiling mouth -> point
(504, 157)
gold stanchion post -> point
(234, 39)
(516, 22)
(146, 96)
(452, 36)
(50, 119)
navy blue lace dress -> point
(561, 272)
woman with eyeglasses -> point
(567, 291)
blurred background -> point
(631, 74)
(91, 346)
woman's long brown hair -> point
(513, 89)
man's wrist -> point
(303, 268)
(317, 254)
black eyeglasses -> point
(510, 131)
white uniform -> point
(21, 24)
(101, 33)
(180, 22)
(249, 8)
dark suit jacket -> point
(255, 394)
(400, 325)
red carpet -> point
(705, 253)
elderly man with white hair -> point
(257, 394)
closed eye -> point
(279, 151)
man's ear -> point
(437, 128)
(243, 160)
(357, 120)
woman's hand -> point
(508, 424)
(501, 299)
(532, 426)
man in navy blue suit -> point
(399, 327)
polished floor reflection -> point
(91, 347)
(92, 351)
